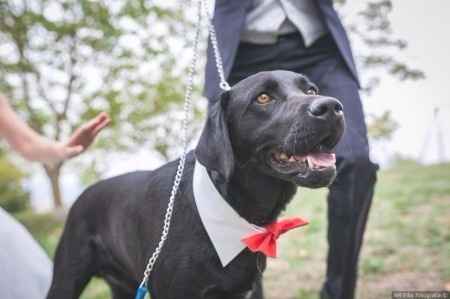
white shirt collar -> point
(225, 227)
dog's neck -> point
(257, 197)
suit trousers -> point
(350, 195)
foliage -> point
(13, 197)
(62, 62)
(376, 46)
(70, 60)
(382, 127)
(45, 227)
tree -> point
(377, 49)
(382, 127)
(376, 46)
(62, 62)
(13, 197)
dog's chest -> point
(193, 266)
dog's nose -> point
(325, 108)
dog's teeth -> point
(284, 156)
(311, 163)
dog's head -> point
(278, 122)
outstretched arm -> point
(35, 147)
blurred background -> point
(62, 62)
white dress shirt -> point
(268, 19)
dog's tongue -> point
(321, 159)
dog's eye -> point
(311, 91)
(263, 98)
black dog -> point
(256, 145)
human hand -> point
(35, 147)
(83, 137)
(80, 140)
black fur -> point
(116, 224)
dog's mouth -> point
(301, 163)
(315, 169)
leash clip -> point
(141, 292)
(224, 85)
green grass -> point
(407, 244)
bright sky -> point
(426, 26)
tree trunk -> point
(54, 174)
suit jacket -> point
(229, 20)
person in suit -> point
(307, 37)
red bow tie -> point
(266, 242)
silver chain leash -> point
(218, 58)
(186, 108)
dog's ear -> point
(214, 148)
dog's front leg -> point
(257, 292)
